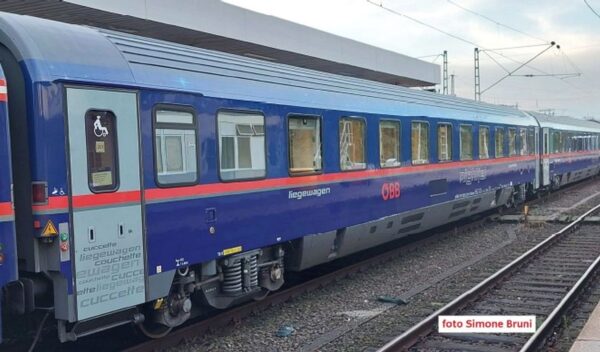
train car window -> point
(466, 142)
(242, 152)
(444, 142)
(352, 144)
(512, 141)
(524, 142)
(500, 142)
(531, 141)
(420, 142)
(101, 147)
(304, 138)
(484, 142)
(175, 147)
(389, 143)
(556, 142)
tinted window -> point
(466, 142)
(420, 142)
(242, 152)
(556, 142)
(531, 141)
(512, 141)
(352, 144)
(524, 141)
(304, 144)
(101, 145)
(389, 143)
(175, 147)
(484, 142)
(500, 143)
(444, 142)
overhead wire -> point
(467, 41)
(591, 8)
(496, 22)
(397, 13)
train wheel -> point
(154, 330)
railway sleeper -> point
(449, 345)
(489, 338)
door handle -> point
(91, 234)
(121, 231)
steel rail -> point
(427, 325)
(538, 339)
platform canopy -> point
(214, 24)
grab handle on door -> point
(121, 230)
(91, 234)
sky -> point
(569, 23)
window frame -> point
(117, 171)
(531, 140)
(489, 135)
(451, 153)
(517, 152)
(427, 161)
(194, 126)
(365, 142)
(218, 142)
(523, 131)
(399, 123)
(287, 137)
(504, 151)
(460, 156)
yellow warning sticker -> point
(232, 250)
(49, 230)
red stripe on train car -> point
(105, 199)
(94, 200)
(571, 154)
(54, 203)
(243, 186)
(6, 209)
(3, 92)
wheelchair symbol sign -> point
(99, 130)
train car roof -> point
(53, 51)
(566, 123)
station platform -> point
(589, 338)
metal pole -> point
(445, 74)
(452, 85)
(477, 76)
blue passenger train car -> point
(569, 149)
(154, 179)
(8, 249)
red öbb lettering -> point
(390, 190)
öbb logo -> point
(390, 190)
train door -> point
(545, 157)
(8, 247)
(105, 199)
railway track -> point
(545, 282)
